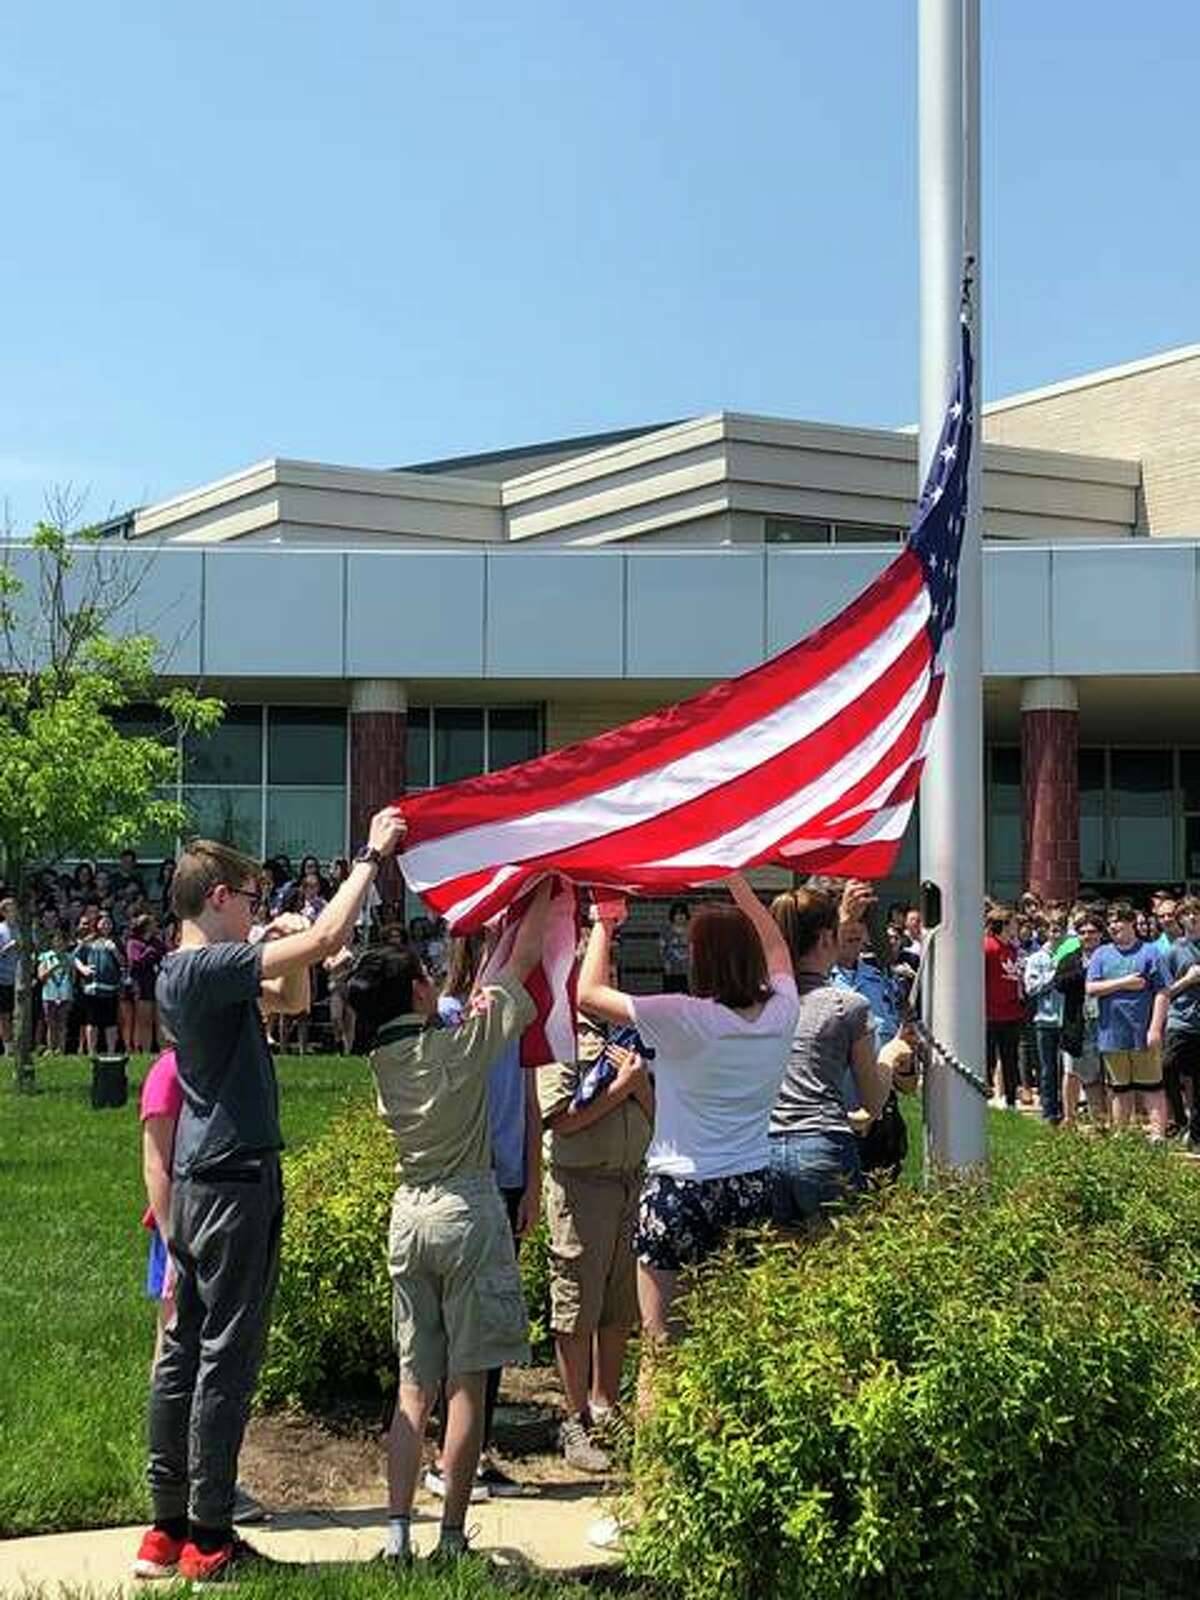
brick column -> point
(378, 726)
(1050, 786)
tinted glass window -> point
(232, 815)
(303, 822)
(1143, 813)
(795, 530)
(143, 722)
(306, 745)
(416, 749)
(514, 734)
(1189, 777)
(1092, 862)
(457, 743)
(1005, 845)
(232, 753)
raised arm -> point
(1187, 980)
(335, 924)
(597, 996)
(775, 949)
(531, 935)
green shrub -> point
(966, 1392)
(331, 1335)
(535, 1280)
(331, 1330)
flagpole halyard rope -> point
(935, 1050)
(938, 1052)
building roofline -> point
(1093, 380)
(582, 444)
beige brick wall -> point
(1152, 415)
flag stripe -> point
(879, 759)
(676, 784)
(691, 728)
(804, 767)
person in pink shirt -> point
(162, 1101)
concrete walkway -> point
(548, 1531)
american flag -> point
(811, 761)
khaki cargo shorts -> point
(593, 1273)
(1127, 1070)
(1088, 1067)
(457, 1305)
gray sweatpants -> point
(225, 1244)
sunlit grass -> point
(76, 1330)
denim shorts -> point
(811, 1173)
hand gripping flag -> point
(810, 761)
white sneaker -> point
(606, 1533)
(435, 1482)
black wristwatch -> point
(369, 855)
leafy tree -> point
(71, 782)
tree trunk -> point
(23, 1018)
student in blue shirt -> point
(1125, 975)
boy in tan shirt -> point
(458, 1309)
(597, 1153)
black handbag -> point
(885, 1144)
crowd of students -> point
(101, 932)
(1094, 1009)
(750, 1091)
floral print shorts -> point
(681, 1221)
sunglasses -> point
(252, 898)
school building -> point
(373, 630)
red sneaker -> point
(232, 1561)
(158, 1555)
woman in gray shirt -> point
(814, 1155)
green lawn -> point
(466, 1580)
(1010, 1133)
(76, 1331)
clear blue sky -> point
(372, 233)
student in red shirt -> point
(1004, 1007)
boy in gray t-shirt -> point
(226, 1197)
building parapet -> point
(636, 614)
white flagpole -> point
(952, 788)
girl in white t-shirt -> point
(721, 1053)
